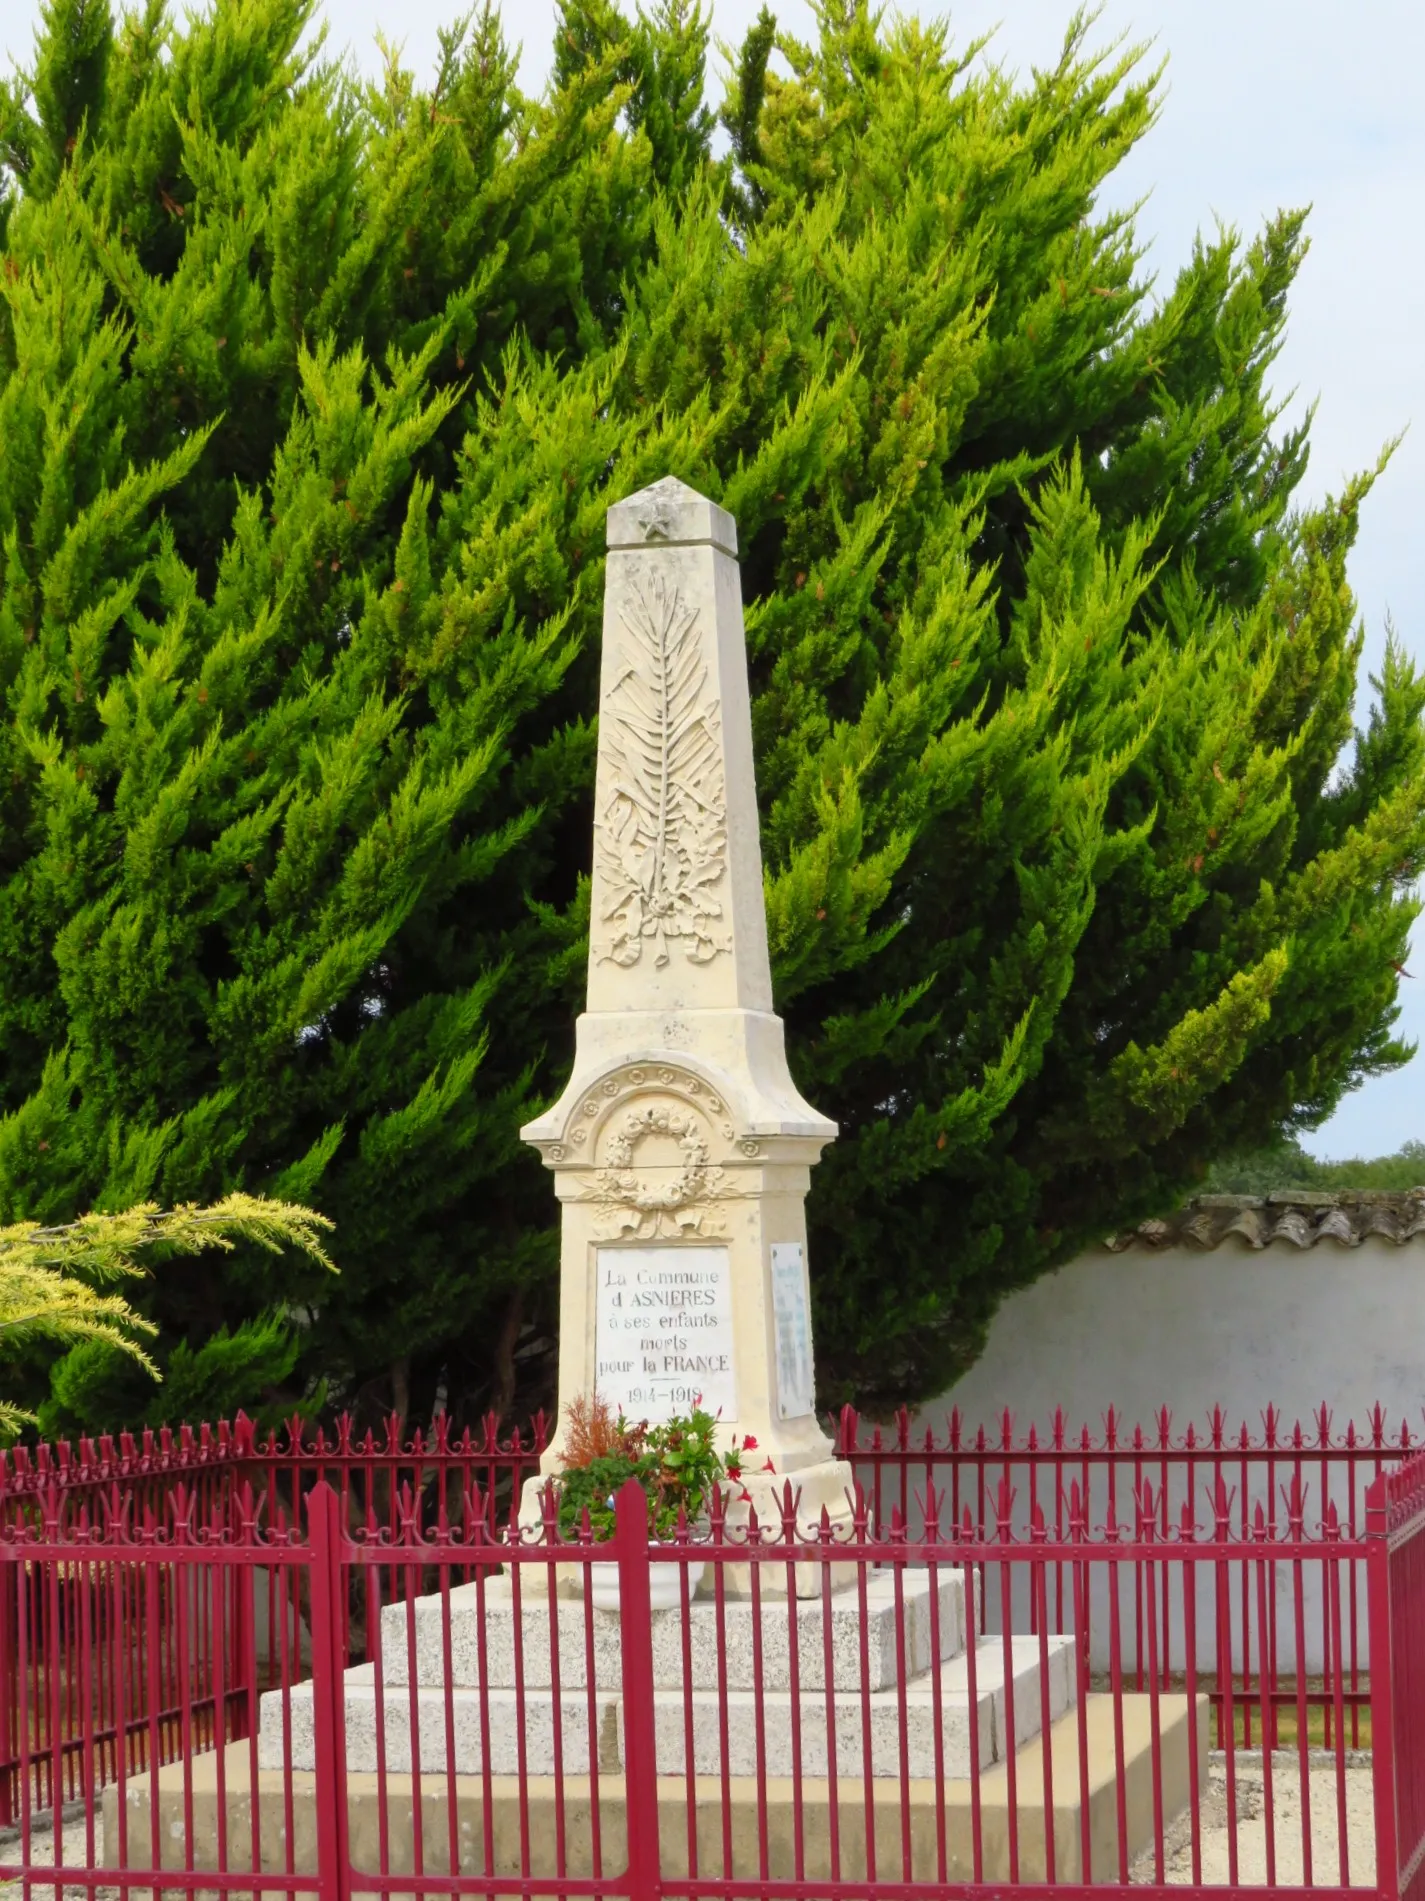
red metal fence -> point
(129, 1664)
(502, 1738)
(368, 1472)
(968, 1464)
(1202, 1471)
(1396, 1528)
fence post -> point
(324, 1531)
(13, 1706)
(640, 1761)
(1378, 1625)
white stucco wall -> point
(1191, 1330)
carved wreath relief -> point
(649, 1209)
(662, 834)
(645, 1206)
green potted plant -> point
(677, 1464)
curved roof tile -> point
(1298, 1218)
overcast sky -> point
(1270, 103)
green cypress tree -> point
(239, 843)
(314, 401)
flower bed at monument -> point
(676, 1464)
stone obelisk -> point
(681, 1150)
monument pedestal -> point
(820, 1493)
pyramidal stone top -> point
(678, 919)
(678, 953)
(670, 513)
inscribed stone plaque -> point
(796, 1383)
(663, 1331)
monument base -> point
(528, 1826)
(822, 1499)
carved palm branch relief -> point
(662, 832)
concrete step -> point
(882, 1654)
(519, 1731)
(873, 1722)
(543, 1831)
(512, 1722)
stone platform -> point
(738, 1635)
(484, 1711)
(1180, 1731)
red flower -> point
(749, 1444)
(769, 1467)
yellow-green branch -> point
(52, 1280)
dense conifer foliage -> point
(312, 398)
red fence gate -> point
(1396, 1528)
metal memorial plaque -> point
(663, 1331)
(796, 1383)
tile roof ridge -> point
(1298, 1218)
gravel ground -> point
(1215, 1831)
(74, 1850)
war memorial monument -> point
(682, 1154)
